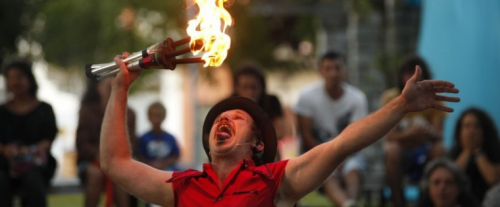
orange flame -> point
(208, 31)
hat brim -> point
(260, 117)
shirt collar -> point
(245, 164)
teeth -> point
(224, 127)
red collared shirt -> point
(247, 185)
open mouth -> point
(223, 132)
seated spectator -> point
(249, 81)
(445, 185)
(158, 148)
(324, 109)
(27, 129)
(477, 150)
(87, 146)
(416, 139)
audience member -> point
(87, 145)
(249, 81)
(324, 109)
(477, 150)
(27, 129)
(416, 139)
(158, 148)
(445, 185)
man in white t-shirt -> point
(324, 109)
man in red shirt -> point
(240, 142)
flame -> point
(207, 32)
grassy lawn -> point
(66, 200)
(76, 200)
(313, 199)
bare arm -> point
(137, 178)
(489, 170)
(462, 160)
(305, 173)
(305, 129)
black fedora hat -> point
(260, 117)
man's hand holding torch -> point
(159, 56)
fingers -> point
(416, 76)
(447, 98)
(125, 55)
(438, 83)
(440, 86)
(442, 107)
(446, 90)
(418, 73)
(120, 63)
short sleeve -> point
(175, 147)
(304, 106)
(141, 147)
(278, 170)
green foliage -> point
(73, 33)
(16, 17)
(255, 38)
(81, 31)
(362, 7)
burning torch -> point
(206, 34)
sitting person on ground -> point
(415, 140)
(88, 132)
(249, 81)
(445, 185)
(477, 150)
(324, 110)
(27, 129)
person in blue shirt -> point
(157, 147)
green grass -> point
(314, 199)
(66, 200)
(76, 200)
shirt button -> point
(219, 198)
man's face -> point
(333, 72)
(230, 130)
(443, 189)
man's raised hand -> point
(421, 95)
(125, 77)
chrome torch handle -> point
(94, 71)
(132, 66)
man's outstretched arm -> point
(116, 160)
(307, 172)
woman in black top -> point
(249, 81)
(27, 129)
(477, 150)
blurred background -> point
(460, 39)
